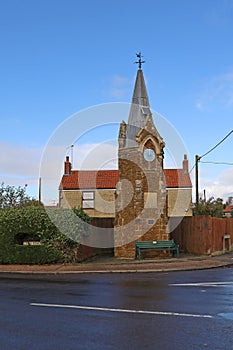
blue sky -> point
(61, 57)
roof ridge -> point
(106, 179)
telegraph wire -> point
(198, 158)
(192, 168)
(221, 163)
(219, 143)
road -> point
(178, 310)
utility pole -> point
(197, 158)
(39, 190)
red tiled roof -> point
(177, 178)
(90, 179)
(228, 209)
(106, 179)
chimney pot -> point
(185, 164)
(67, 166)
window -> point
(150, 221)
(88, 200)
(145, 110)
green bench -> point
(169, 245)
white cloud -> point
(220, 187)
(217, 92)
(119, 87)
(96, 156)
(20, 166)
(91, 156)
(19, 161)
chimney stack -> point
(67, 166)
(185, 165)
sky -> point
(67, 68)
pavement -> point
(104, 264)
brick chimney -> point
(185, 165)
(67, 166)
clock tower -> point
(141, 200)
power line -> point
(210, 162)
(198, 158)
(219, 143)
(221, 163)
(192, 168)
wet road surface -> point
(178, 310)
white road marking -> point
(120, 310)
(202, 284)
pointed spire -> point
(140, 106)
(140, 96)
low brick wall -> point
(204, 235)
(86, 252)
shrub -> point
(33, 221)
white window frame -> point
(88, 199)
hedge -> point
(34, 222)
(29, 255)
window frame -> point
(88, 200)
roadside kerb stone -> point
(113, 265)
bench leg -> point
(176, 252)
(137, 253)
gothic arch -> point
(150, 142)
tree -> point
(11, 196)
(212, 207)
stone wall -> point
(104, 202)
(179, 202)
(141, 206)
(70, 199)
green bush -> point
(37, 255)
(33, 222)
(29, 255)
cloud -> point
(96, 156)
(20, 166)
(18, 161)
(221, 186)
(119, 87)
(216, 93)
(87, 156)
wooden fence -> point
(204, 235)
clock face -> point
(149, 154)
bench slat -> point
(156, 245)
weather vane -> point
(139, 62)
